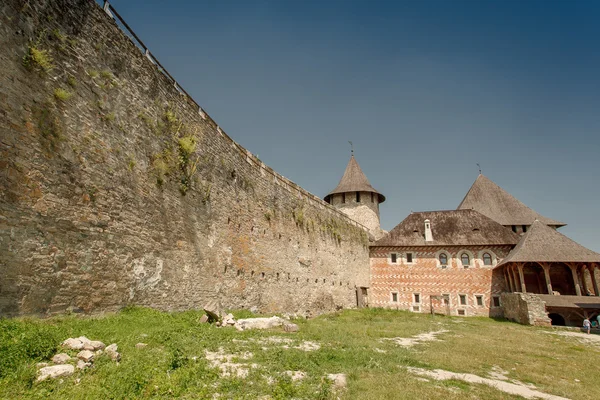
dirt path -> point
(514, 387)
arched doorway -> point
(557, 319)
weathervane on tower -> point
(351, 148)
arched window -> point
(487, 259)
(465, 259)
(443, 260)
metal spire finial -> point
(351, 147)
(479, 166)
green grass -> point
(173, 364)
(62, 94)
(38, 58)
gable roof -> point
(449, 228)
(354, 180)
(496, 203)
(544, 244)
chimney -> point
(428, 235)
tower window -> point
(487, 259)
(343, 197)
(372, 201)
(524, 228)
(358, 197)
(514, 228)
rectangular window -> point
(446, 299)
(514, 228)
(462, 299)
(409, 258)
(479, 300)
(416, 308)
(460, 312)
(395, 297)
(372, 198)
(417, 298)
(343, 197)
(496, 301)
(358, 197)
(524, 228)
(394, 258)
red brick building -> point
(442, 260)
(460, 262)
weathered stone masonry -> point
(117, 191)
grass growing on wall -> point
(174, 364)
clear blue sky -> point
(424, 89)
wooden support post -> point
(522, 277)
(511, 284)
(592, 268)
(546, 268)
(515, 279)
(573, 268)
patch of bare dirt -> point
(224, 362)
(513, 387)
(592, 339)
(417, 339)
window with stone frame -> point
(394, 258)
(496, 301)
(487, 259)
(465, 259)
(479, 300)
(462, 299)
(443, 258)
(417, 298)
(394, 297)
(409, 258)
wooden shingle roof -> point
(541, 243)
(449, 228)
(354, 180)
(496, 203)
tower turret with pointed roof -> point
(355, 197)
(496, 203)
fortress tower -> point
(355, 197)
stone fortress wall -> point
(116, 189)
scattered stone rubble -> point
(215, 314)
(88, 351)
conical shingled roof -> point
(496, 203)
(354, 180)
(541, 243)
